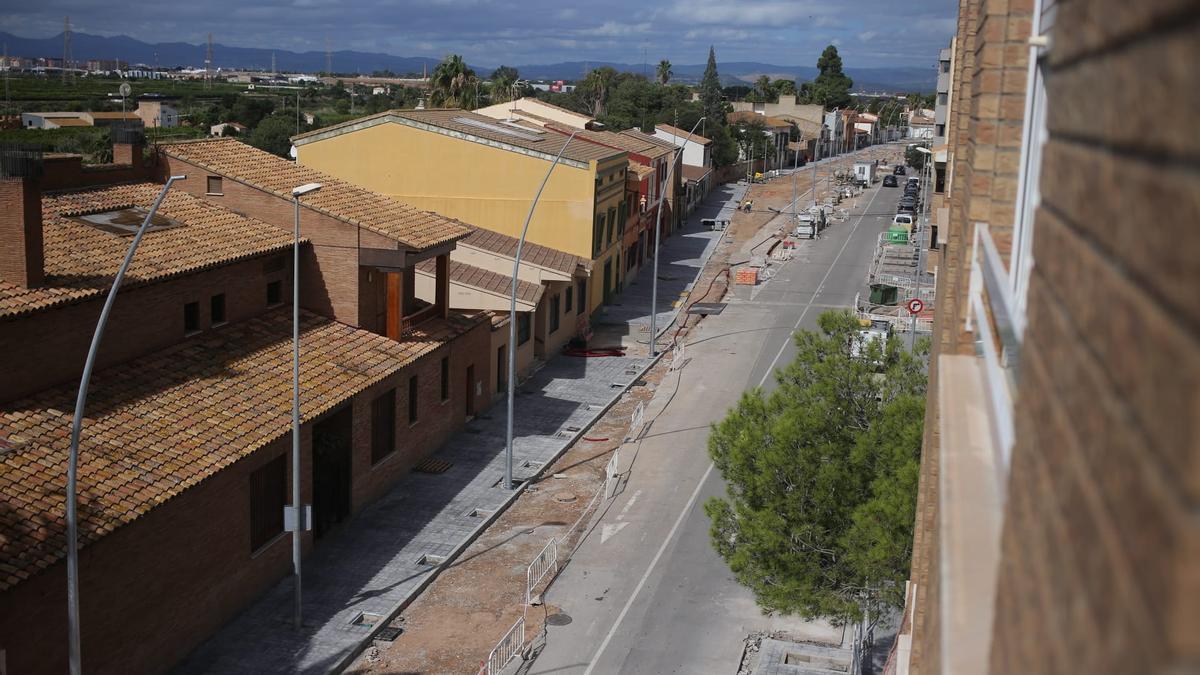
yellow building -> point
(486, 172)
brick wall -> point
(329, 274)
(1100, 547)
(49, 347)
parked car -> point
(911, 192)
(904, 220)
(899, 170)
(890, 181)
(913, 180)
(908, 204)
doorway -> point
(331, 443)
(471, 390)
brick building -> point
(184, 463)
(1056, 521)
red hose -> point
(594, 352)
(595, 440)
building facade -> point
(1056, 527)
(486, 172)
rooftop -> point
(161, 424)
(472, 127)
(485, 280)
(260, 169)
(81, 258)
(695, 173)
(681, 133)
(620, 141)
(531, 254)
(746, 115)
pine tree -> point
(831, 88)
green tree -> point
(503, 84)
(725, 149)
(710, 91)
(822, 474)
(453, 83)
(783, 88)
(914, 157)
(763, 90)
(664, 72)
(831, 88)
(273, 134)
(752, 138)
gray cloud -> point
(490, 32)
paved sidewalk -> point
(372, 563)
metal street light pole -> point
(73, 648)
(512, 319)
(912, 340)
(657, 236)
(298, 521)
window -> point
(523, 329)
(274, 293)
(554, 313)
(569, 296)
(598, 236)
(383, 426)
(612, 220)
(445, 378)
(501, 369)
(608, 237)
(412, 400)
(217, 309)
(581, 287)
(268, 489)
(191, 318)
(942, 98)
(214, 185)
(621, 215)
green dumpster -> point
(897, 235)
(884, 294)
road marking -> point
(642, 582)
(608, 531)
(695, 493)
(628, 504)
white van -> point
(904, 220)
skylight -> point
(523, 134)
(126, 221)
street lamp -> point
(657, 235)
(512, 319)
(73, 649)
(297, 520)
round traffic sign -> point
(915, 306)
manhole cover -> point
(559, 619)
(564, 497)
(390, 633)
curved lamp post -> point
(73, 649)
(512, 319)
(657, 234)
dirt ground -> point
(452, 626)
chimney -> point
(21, 255)
(128, 141)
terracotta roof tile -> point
(485, 280)
(161, 424)
(695, 173)
(81, 259)
(615, 140)
(383, 215)
(534, 254)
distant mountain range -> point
(172, 54)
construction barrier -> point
(677, 356)
(509, 646)
(545, 563)
(611, 476)
(635, 421)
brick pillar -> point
(21, 255)
(442, 285)
(128, 153)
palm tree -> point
(504, 82)
(453, 83)
(664, 72)
(763, 85)
(595, 87)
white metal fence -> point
(509, 646)
(612, 477)
(635, 421)
(545, 563)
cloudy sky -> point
(868, 33)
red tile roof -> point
(485, 280)
(533, 254)
(81, 259)
(383, 215)
(159, 425)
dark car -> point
(890, 181)
(911, 189)
(907, 204)
(899, 170)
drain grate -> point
(388, 634)
(433, 465)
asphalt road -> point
(645, 592)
